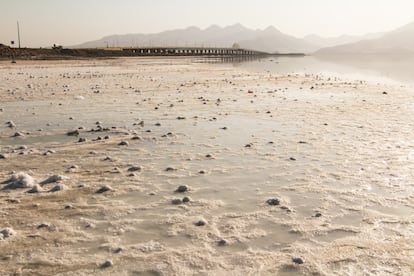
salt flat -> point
(336, 157)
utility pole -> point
(18, 33)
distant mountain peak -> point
(407, 27)
(237, 26)
(213, 27)
(271, 30)
(193, 28)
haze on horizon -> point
(69, 22)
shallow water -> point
(374, 69)
(343, 149)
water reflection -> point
(374, 69)
(394, 67)
(228, 59)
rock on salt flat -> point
(53, 179)
(59, 187)
(103, 189)
(135, 169)
(7, 233)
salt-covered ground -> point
(336, 157)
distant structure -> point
(57, 47)
(190, 51)
(235, 46)
(18, 33)
(57, 52)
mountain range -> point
(399, 41)
(269, 40)
(324, 42)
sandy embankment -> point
(339, 156)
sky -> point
(70, 22)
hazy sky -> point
(69, 22)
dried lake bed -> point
(173, 167)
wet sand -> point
(336, 157)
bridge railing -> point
(188, 51)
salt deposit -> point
(35, 189)
(19, 180)
(286, 180)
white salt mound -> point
(19, 180)
(36, 189)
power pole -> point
(18, 32)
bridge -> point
(210, 52)
(190, 51)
